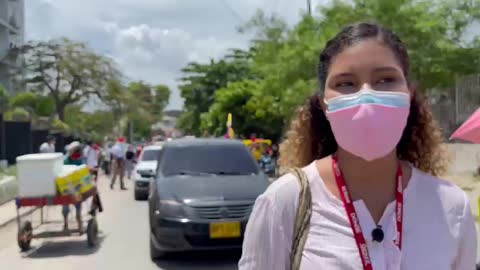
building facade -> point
(12, 37)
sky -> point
(152, 40)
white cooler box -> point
(37, 173)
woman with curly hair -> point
(367, 195)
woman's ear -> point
(412, 87)
(321, 101)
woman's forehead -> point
(369, 55)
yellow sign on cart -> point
(74, 180)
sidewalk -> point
(8, 212)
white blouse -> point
(438, 229)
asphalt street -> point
(123, 242)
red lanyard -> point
(353, 217)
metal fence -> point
(451, 107)
(18, 138)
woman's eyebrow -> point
(386, 68)
(345, 74)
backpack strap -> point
(302, 219)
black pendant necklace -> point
(377, 234)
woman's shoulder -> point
(284, 192)
(451, 195)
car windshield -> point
(150, 155)
(208, 159)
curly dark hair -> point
(310, 136)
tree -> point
(161, 97)
(67, 71)
(282, 60)
(434, 32)
(92, 125)
(200, 82)
(252, 113)
(148, 104)
(35, 104)
(4, 99)
(116, 98)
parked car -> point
(145, 170)
(203, 195)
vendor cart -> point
(25, 228)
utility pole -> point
(131, 133)
(309, 7)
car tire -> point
(25, 236)
(92, 233)
(155, 254)
(139, 196)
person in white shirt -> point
(107, 158)
(91, 157)
(48, 146)
(118, 159)
(369, 195)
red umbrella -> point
(470, 130)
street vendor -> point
(74, 157)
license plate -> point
(225, 230)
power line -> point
(232, 11)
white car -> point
(145, 170)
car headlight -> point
(171, 208)
(146, 173)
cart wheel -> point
(25, 236)
(92, 232)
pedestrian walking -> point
(130, 161)
(92, 156)
(91, 153)
(118, 158)
(366, 194)
(107, 158)
(74, 157)
(49, 145)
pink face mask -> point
(369, 124)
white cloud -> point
(156, 55)
(152, 39)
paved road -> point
(124, 244)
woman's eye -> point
(344, 84)
(386, 80)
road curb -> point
(12, 219)
(8, 189)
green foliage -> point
(200, 82)
(94, 125)
(139, 103)
(67, 71)
(60, 126)
(434, 32)
(17, 114)
(4, 99)
(146, 106)
(35, 104)
(279, 70)
(243, 99)
(116, 98)
(45, 106)
(26, 99)
(161, 96)
(63, 74)
(141, 126)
